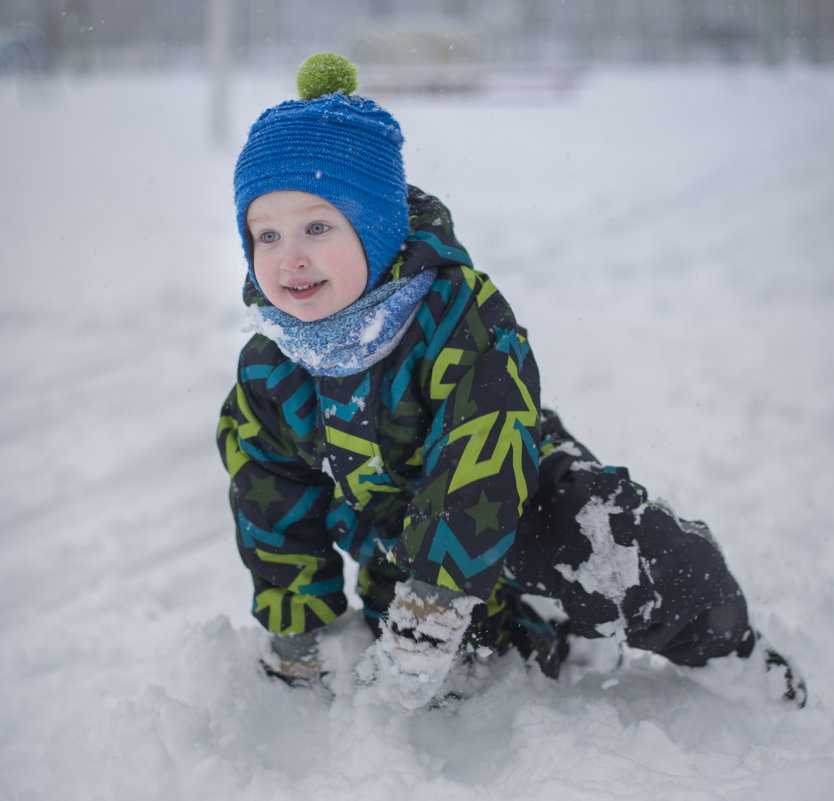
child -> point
(389, 404)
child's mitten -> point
(295, 659)
(419, 641)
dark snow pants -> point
(620, 564)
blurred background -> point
(41, 35)
(650, 184)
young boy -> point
(389, 404)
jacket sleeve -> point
(279, 505)
(480, 458)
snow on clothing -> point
(434, 449)
(352, 339)
(423, 464)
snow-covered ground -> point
(667, 238)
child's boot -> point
(784, 683)
(755, 670)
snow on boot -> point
(783, 677)
(756, 670)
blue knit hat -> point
(343, 148)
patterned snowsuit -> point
(438, 463)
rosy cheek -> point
(263, 277)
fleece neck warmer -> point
(354, 338)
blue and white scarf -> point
(354, 338)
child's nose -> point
(295, 257)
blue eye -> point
(318, 228)
(268, 237)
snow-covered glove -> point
(294, 659)
(419, 640)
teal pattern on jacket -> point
(419, 465)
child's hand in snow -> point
(419, 641)
(294, 660)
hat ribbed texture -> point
(345, 149)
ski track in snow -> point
(666, 238)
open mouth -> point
(305, 290)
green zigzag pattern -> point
(432, 450)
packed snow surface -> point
(666, 237)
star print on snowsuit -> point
(438, 463)
(417, 466)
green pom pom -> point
(324, 74)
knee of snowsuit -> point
(620, 563)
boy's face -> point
(308, 259)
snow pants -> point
(621, 565)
